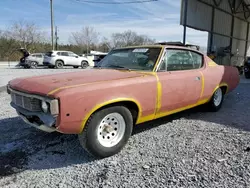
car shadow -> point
(23, 147)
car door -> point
(181, 80)
(66, 58)
(39, 58)
(74, 59)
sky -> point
(159, 20)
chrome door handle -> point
(197, 78)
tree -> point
(26, 34)
(104, 45)
(7, 44)
(86, 37)
(128, 38)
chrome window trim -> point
(161, 59)
(184, 49)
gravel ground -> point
(190, 149)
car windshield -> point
(143, 58)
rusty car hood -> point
(44, 85)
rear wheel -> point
(33, 65)
(107, 131)
(216, 101)
(84, 64)
(59, 64)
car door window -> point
(197, 60)
(178, 59)
(71, 54)
(64, 54)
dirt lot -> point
(190, 149)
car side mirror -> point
(76, 56)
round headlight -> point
(45, 107)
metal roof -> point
(236, 6)
(247, 2)
(245, 7)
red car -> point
(131, 85)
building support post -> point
(232, 28)
(185, 21)
(211, 39)
(232, 33)
(246, 46)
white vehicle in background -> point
(94, 57)
(34, 60)
(59, 59)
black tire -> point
(26, 66)
(33, 65)
(212, 105)
(89, 136)
(76, 67)
(59, 64)
(84, 64)
(51, 66)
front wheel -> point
(107, 131)
(216, 101)
(84, 64)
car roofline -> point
(160, 46)
(141, 46)
(59, 51)
(182, 47)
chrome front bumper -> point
(39, 120)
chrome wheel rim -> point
(111, 130)
(217, 97)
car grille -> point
(28, 103)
